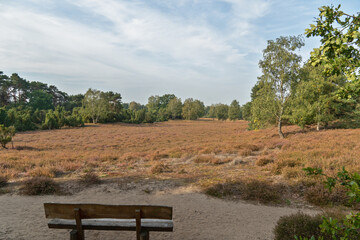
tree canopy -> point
(339, 51)
(280, 68)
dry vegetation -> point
(208, 152)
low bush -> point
(90, 178)
(319, 195)
(298, 224)
(40, 186)
(255, 190)
(3, 181)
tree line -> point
(30, 105)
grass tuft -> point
(264, 160)
(160, 168)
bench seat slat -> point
(114, 224)
(88, 211)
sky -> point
(203, 49)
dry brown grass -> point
(211, 152)
(160, 168)
(124, 149)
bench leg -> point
(144, 236)
(73, 235)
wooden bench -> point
(80, 217)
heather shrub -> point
(3, 181)
(320, 195)
(255, 190)
(346, 228)
(40, 186)
(90, 178)
(298, 224)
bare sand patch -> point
(196, 216)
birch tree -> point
(280, 67)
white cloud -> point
(141, 47)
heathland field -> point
(221, 157)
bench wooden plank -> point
(157, 225)
(88, 211)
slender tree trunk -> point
(281, 134)
(318, 122)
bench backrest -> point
(66, 211)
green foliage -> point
(280, 67)
(95, 105)
(193, 109)
(3, 115)
(234, 111)
(40, 100)
(339, 50)
(20, 118)
(38, 116)
(6, 134)
(74, 121)
(51, 121)
(246, 111)
(264, 109)
(73, 101)
(314, 100)
(349, 227)
(134, 106)
(212, 111)
(164, 107)
(174, 108)
(140, 116)
(221, 111)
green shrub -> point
(51, 121)
(6, 134)
(347, 228)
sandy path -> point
(196, 216)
